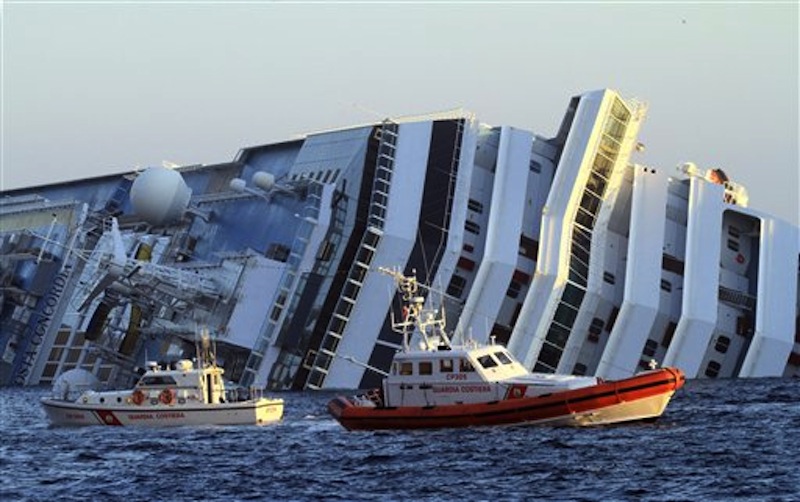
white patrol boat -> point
(183, 394)
(443, 384)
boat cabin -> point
(184, 382)
(450, 376)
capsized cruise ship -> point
(571, 251)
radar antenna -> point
(430, 323)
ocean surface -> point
(718, 440)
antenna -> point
(430, 322)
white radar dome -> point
(263, 180)
(160, 195)
(238, 185)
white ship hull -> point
(260, 412)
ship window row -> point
(528, 247)
(620, 111)
(471, 226)
(325, 176)
(591, 203)
(465, 263)
(595, 328)
(426, 367)
(609, 278)
(615, 129)
(734, 232)
(456, 287)
(548, 359)
(474, 205)
(672, 264)
(596, 184)
(712, 370)
(733, 245)
(602, 164)
(331, 342)
(609, 146)
(650, 348)
(578, 272)
(722, 345)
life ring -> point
(167, 396)
(138, 397)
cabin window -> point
(666, 285)
(405, 368)
(503, 358)
(596, 326)
(456, 287)
(472, 227)
(487, 361)
(513, 289)
(445, 366)
(723, 342)
(474, 205)
(465, 366)
(425, 368)
(650, 348)
(528, 247)
(580, 369)
(157, 380)
(712, 370)
(733, 245)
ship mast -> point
(429, 322)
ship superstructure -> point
(568, 250)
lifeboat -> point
(447, 384)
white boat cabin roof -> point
(184, 374)
(488, 363)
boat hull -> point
(72, 414)
(641, 397)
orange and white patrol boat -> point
(444, 384)
(183, 394)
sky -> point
(102, 87)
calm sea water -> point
(719, 440)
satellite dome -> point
(160, 195)
(264, 180)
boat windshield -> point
(157, 380)
(487, 361)
(503, 358)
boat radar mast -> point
(429, 322)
